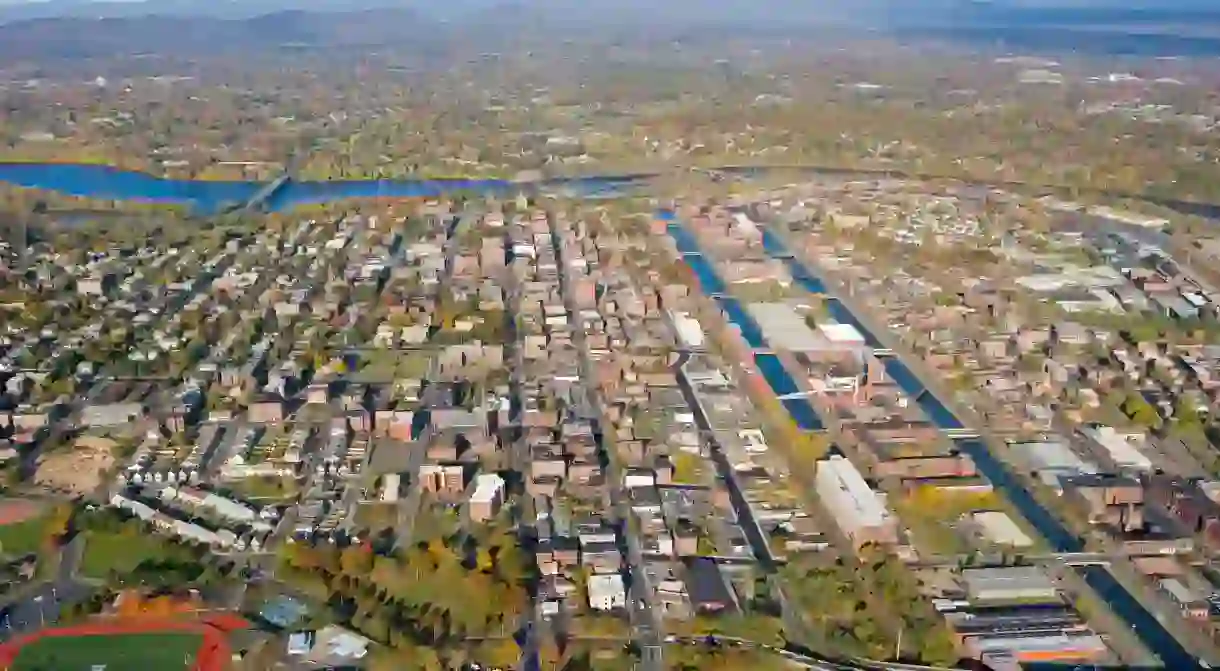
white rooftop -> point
(783, 327)
(843, 334)
(486, 487)
(1124, 454)
(852, 496)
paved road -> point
(40, 606)
(529, 634)
(645, 618)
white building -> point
(843, 335)
(389, 488)
(1121, 447)
(606, 592)
(690, 332)
(858, 510)
(487, 497)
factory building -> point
(858, 510)
(1009, 583)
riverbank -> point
(101, 181)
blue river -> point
(1154, 636)
(104, 182)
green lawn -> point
(22, 538)
(169, 651)
(122, 552)
(276, 488)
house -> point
(487, 497)
(266, 410)
(600, 556)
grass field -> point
(121, 552)
(23, 537)
(166, 651)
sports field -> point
(153, 651)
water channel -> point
(769, 365)
(1146, 626)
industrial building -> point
(784, 328)
(1009, 583)
(1000, 529)
(1120, 448)
(858, 510)
(1060, 646)
(1051, 461)
(1047, 632)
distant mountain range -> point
(749, 11)
(86, 28)
(449, 11)
(72, 38)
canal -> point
(1145, 625)
(769, 365)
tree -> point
(1186, 416)
(503, 654)
(356, 561)
(808, 447)
(1141, 412)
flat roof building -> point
(858, 510)
(1000, 529)
(690, 332)
(1010, 583)
(1124, 454)
(784, 328)
(841, 334)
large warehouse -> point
(784, 328)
